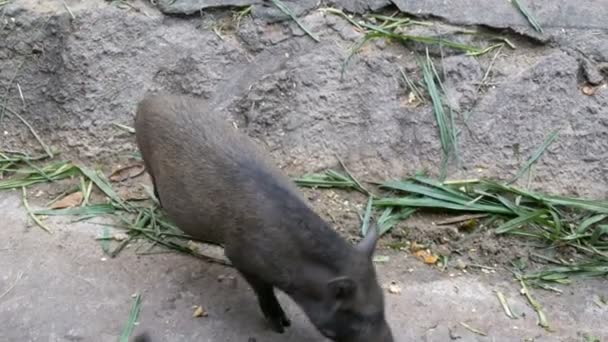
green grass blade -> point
(438, 192)
(104, 185)
(536, 155)
(130, 325)
(27, 177)
(388, 219)
(519, 221)
(281, 6)
(367, 217)
(529, 16)
(592, 206)
(589, 222)
(438, 204)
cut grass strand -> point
(505, 306)
(31, 214)
(133, 315)
(529, 16)
(29, 176)
(32, 130)
(536, 155)
(542, 318)
(329, 179)
(281, 6)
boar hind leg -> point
(268, 303)
(155, 189)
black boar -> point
(217, 185)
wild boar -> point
(218, 185)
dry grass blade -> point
(10, 288)
(281, 6)
(31, 214)
(124, 127)
(471, 329)
(32, 130)
(536, 155)
(67, 8)
(505, 306)
(542, 318)
(529, 16)
(413, 88)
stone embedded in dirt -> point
(199, 312)
(394, 288)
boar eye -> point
(342, 287)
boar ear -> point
(368, 244)
(341, 288)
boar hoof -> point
(279, 323)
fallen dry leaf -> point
(427, 257)
(124, 173)
(199, 312)
(69, 201)
(394, 288)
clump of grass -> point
(553, 220)
(330, 179)
(240, 14)
(375, 26)
(445, 121)
(141, 221)
(26, 176)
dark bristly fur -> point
(219, 186)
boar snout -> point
(353, 305)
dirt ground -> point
(61, 287)
(75, 74)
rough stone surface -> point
(79, 76)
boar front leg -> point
(268, 303)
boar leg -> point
(268, 303)
(155, 189)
